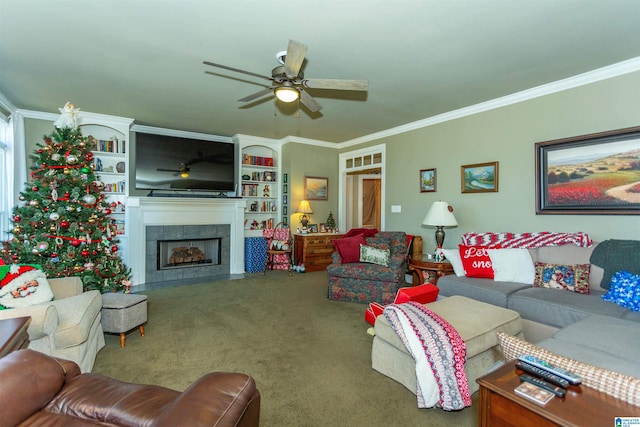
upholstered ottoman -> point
(475, 321)
(122, 313)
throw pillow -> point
(23, 285)
(476, 261)
(624, 290)
(453, 256)
(349, 248)
(574, 278)
(374, 255)
(614, 384)
(512, 265)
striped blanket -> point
(439, 352)
(526, 240)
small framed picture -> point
(428, 180)
(284, 210)
(323, 227)
(316, 188)
(313, 228)
(285, 189)
(285, 178)
(479, 178)
(285, 200)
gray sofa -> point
(578, 326)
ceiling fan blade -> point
(308, 101)
(256, 95)
(336, 84)
(294, 59)
(237, 70)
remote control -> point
(546, 375)
(558, 391)
(536, 361)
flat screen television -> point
(165, 162)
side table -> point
(122, 313)
(582, 406)
(419, 264)
(13, 334)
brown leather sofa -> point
(39, 390)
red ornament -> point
(114, 248)
(64, 224)
(17, 218)
(35, 188)
(66, 195)
(75, 242)
(84, 253)
(107, 211)
(54, 255)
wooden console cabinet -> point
(314, 250)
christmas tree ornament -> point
(55, 157)
(54, 216)
(64, 223)
(66, 171)
(34, 188)
(35, 251)
(21, 198)
(17, 218)
(89, 199)
(85, 170)
(85, 253)
(72, 159)
(68, 117)
(33, 203)
(43, 246)
(75, 242)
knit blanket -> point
(614, 256)
(440, 354)
(526, 240)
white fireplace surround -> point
(144, 211)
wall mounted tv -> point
(165, 162)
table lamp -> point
(440, 215)
(304, 208)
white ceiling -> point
(143, 59)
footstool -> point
(122, 313)
(475, 321)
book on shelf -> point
(534, 393)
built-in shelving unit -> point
(109, 138)
(260, 183)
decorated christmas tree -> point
(62, 221)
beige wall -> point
(506, 135)
(300, 160)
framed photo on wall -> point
(479, 178)
(597, 174)
(316, 188)
(428, 180)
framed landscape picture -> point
(590, 174)
(479, 178)
(316, 188)
(428, 180)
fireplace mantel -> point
(144, 211)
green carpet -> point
(310, 357)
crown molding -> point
(604, 73)
(180, 133)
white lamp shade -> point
(440, 215)
(304, 207)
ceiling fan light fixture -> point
(287, 93)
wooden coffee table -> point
(582, 406)
(419, 264)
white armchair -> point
(69, 326)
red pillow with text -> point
(476, 261)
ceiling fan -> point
(183, 170)
(288, 82)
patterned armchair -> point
(365, 282)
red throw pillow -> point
(476, 261)
(349, 248)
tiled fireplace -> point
(153, 219)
